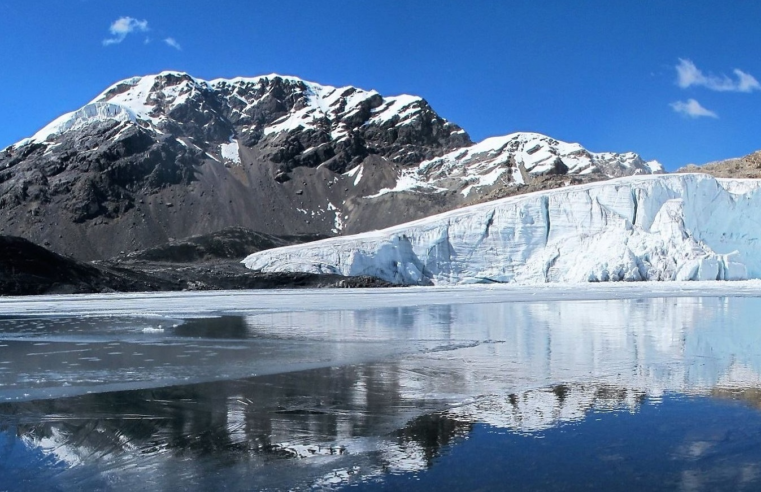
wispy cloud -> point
(747, 82)
(687, 75)
(692, 109)
(123, 26)
(173, 43)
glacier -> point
(645, 227)
(84, 116)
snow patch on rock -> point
(230, 151)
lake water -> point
(448, 391)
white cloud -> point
(173, 43)
(687, 75)
(123, 26)
(746, 82)
(692, 109)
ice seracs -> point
(662, 227)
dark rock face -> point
(190, 157)
(27, 269)
(228, 244)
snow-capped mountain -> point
(669, 227)
(169, 156)
(247, 110)
(516, 159)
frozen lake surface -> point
(611, 387)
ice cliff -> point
(667, 227)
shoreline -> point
(218, 302)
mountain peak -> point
(172, 155)
(262, 105)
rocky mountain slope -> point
(748, 166)
(28, 269)
(228, 244)
(669, 227)
(169, 156)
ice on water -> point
(378, 368)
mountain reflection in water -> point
(672, 381)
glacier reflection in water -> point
(372, 397)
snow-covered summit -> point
(154, 100)
(667, 227)
(269, 105)
(514, 159)
(250, 108)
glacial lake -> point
(404, 389)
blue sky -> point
(605, 74)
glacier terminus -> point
(636, 228)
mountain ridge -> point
(748, 166)
(168, 156)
